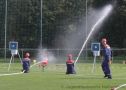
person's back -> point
(70, 65)
(26, 63)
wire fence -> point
(23, 25)
(60, 55)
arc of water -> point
(35, 64)
(93, 28)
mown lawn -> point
(54, 78)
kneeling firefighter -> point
(70, 65)
(26, 63)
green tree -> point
(59, 17)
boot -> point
(109, 77)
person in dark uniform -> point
(70, 65)
(26, 63)
(106, 59)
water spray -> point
(107, 10)
(35, 64)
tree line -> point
(23, 21)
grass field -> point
(54, 78)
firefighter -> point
(106, 59)
(44, 61)
(43, 64)
(70, 65)
(26, 63)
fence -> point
(31, 22)
(60, 55)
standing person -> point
(70, 65)
(106, 59)
(26, 63)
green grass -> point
(54, 78)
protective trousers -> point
(105, 66)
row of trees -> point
(58, 18)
